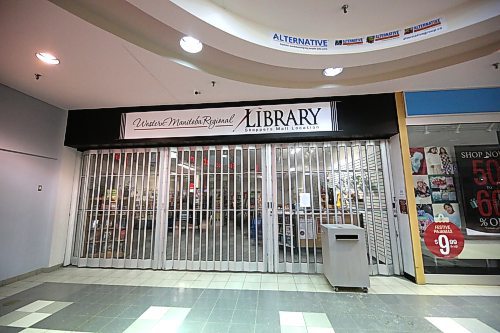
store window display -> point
(456, 177)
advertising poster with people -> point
(479, 172)
(425, 216)
(442, 189)
(422, 190)
(417, 158)
(438, 161)
(449, 211)
(435, 194)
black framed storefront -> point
(231, 202)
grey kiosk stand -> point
(344, 256)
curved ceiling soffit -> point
(129, 23)
(236, 35)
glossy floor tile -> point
(114, 300)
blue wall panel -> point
(426, 103)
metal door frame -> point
(391, 207)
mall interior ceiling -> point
(127, 53)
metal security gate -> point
(330, 182)
(116, 218)
(213, 216)
(236, 208)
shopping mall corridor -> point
(116, 300)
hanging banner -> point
(274, 119)
(402, 35)
(479, 174)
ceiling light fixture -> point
(47, 58)
(191, 44)
(331, 71)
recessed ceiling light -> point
(331, 71)
(47, 58)
(191, 44)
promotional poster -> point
(417, 159)
(422, 190)
(434, 185)
(479, 172)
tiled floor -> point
(113, 300)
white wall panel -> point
(31, 140)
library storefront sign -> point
(318, 117)
(237, 187)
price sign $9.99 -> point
(444, 239)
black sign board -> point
(479, 173)
(358, 117)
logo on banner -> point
(423, 29)
(257, 119)
(349, 42)
(383, 37)
(300, 42)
